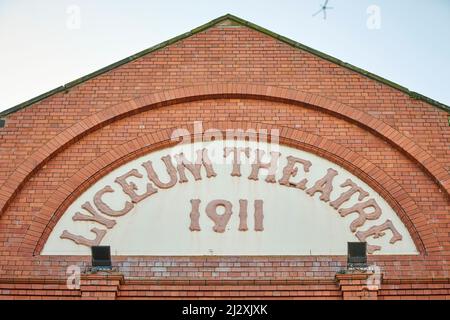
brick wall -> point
(243, 57)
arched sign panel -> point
(229, 198)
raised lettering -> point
(377, 232)
(345, 196)
(324, 185)
(363, 215)
(195, 215)
(291, 171)
(94, 216)
(80, 240)
(271, 166)
(130, 187)
(236, 158)
(202, 159)
(259, 216)
(104, 208)
(220, 220)
(153, 176)
(243, 215)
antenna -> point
(323, 8)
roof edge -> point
(205, 26)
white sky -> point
(40, 50)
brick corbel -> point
(355, 286)
(100, 286)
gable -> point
(226, 21)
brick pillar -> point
(100, 286)
(355, 286)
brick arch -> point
(388, 188)
(25, 170)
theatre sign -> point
(229, 198)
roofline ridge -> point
(295, 44)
